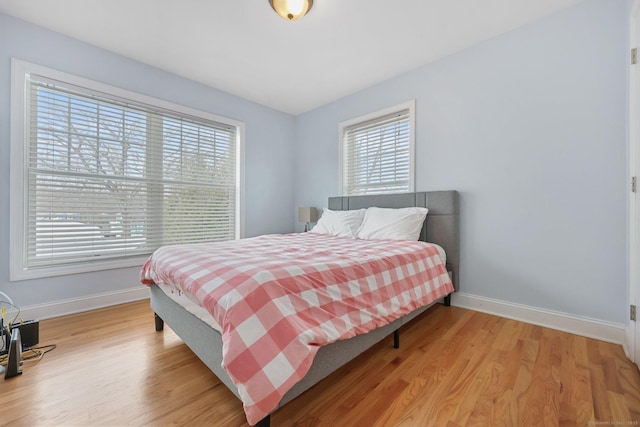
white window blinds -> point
(108, 177)
(377, 153)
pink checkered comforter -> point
(278, 298)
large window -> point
(101, 177)
(378, 152)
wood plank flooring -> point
(454, 368)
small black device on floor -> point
(29, 332)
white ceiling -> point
(244, 48)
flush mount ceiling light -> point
(291, 9)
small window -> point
(378, 152)
(101, 177)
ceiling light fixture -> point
(291, 9)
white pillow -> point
(339, 223)
(392, 224)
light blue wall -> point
(530, 128)
(268, 149)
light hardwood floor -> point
(455, 367)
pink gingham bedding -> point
(278, 298)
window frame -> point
(19, 156)
(372, 117)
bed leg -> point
(265, 422)
(396, 338)
(447, 300)
(159, 322)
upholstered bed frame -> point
(441, 227)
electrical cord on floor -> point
(32, 354)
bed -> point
(440, 227)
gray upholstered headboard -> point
(441, 225)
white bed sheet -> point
(190, 305)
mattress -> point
(201, 313)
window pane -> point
(107, 178)
(378, 154)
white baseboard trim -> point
(77, 305)
(591, 328)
